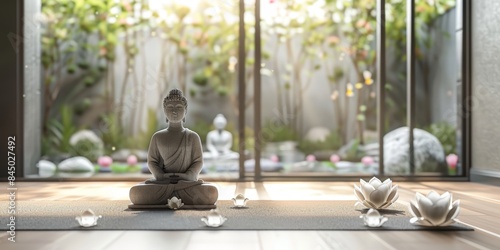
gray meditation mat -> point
(258, 215)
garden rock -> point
(317, 134)
(428, 152)
(76, 164)
(46, 168)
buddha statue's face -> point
(175, 111)
(220, 122)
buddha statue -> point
(175, 158)
(219, 141)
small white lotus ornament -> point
(88, 218)
(376, 194)
(214, 218)
(373, 218)
(240, 201)
(434, 210)
(174, 203)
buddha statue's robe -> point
(179, 153)
(219, 144)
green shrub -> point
(331, 142)
(88, 149)
(141, 140)
(353, 152)
(446, 134)
(277, 133)
(112, 133)
(202, 128)
(59, 131)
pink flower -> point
(367, 160)
(333, 40)
(103, 51)
(132, 160)
(274, 158)
(310, 158)
(334, 158)
(104, 161)
(452, 160)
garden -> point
(107, 64)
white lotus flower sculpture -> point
(376, 194)
(434, 210)
(88, 218)
(214, 218)
(174, 203)
(373, 218)
(239, 200)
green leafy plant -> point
(202, 128)
(88, 149)
(141, 141)
(124, 168)
(353, 152)
(249, 140)
(331, 142)
(446, 134)
(272, 132)
(205, 43)
(112, 133)
(79, 40)
(57, 140)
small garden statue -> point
(175, 158)
(219, 141)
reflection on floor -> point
(480, 209)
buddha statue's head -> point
(220, 122)
(175, 106)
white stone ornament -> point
(88, 218)
(373, 218)
(76, 164)
(434, 210)
(240, 201)
(46, 168)
(175, 203)
(376, 194)
(214, 218)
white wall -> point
(485, 87)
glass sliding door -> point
(431, 86)
(318, 89)
(298, 94)
(319, 94)
(437, 89)
(106, 67)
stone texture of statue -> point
(175, 158)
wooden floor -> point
(480, 210)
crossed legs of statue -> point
(156, 195)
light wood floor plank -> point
(222, 240)
(82, 240)
(293, 240)
(352, 240)
(151, 240)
